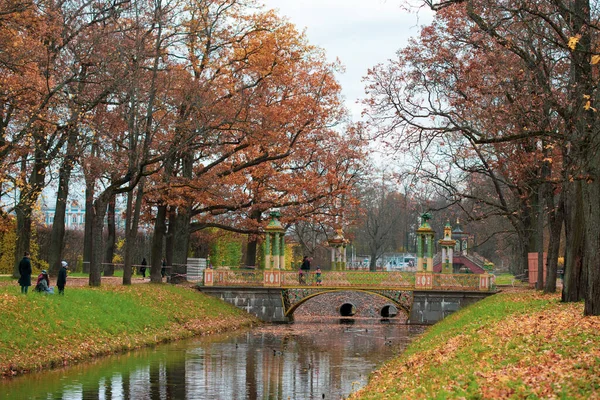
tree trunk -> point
(170, 236)
(131, 229)
(373, 261)
(575, 280)
(556, 218)
(88, 227)
(27, 199)
(181, 228)
(181, 236)
(539, 285)
(156, 251)
(23, 242)
(251, 247)
(58, 225)
(99, 210)
(592, 242)
(252, 244)
(111, 239)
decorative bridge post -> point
(275, 253)
(338, 251)
(424, 274)
(447, 249)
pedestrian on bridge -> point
(305, 264)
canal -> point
(324, 358)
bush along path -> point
(512, 345)
(40, 331)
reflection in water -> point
(304, 360)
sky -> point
(360, 33)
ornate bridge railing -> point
(356, 279)
(237, 277)
(350, 279)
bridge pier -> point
(265, 303)
(432, 306)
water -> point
(310, 359)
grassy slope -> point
(39, 331)
(512, 345)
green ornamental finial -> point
(275, 214)
(426, 217)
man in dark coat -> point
(143, 267)
(61, 281)
(305, 264)
(25, 272)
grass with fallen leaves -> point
(42, 331)
(512, 345)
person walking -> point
(163, 270)
(305, 269)
(305, 264)
(143, 267)
(25, 273)
(61, 281)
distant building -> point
(75, 216)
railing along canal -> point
(349, 279)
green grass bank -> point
(43, 331)
(517, 345)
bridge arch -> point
(389, 311)
(295, 297)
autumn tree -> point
(565, 31)
(260, 99)
(38, 118)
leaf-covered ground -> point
(41, 331)
(519, 345)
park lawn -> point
(42, 331)
(512, 345)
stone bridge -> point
(273, 295)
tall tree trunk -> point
(592, 242)
(181, 236)
(23, 242)
(111, 238)
(587, 137)
(181, 228)
(575, 281)
(556, 218)
(156, 250)
(131, 229)
(99, 210)
(58, 225)
(251, 248)
(252, 244)
(170, 236)
(27, 199)
(88, 227)
(539, 285)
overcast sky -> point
(361, 33)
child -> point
(61, 281)
(318, 276)
(43, 283)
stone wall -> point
(264, 303)
(432, 306)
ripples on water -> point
(310, 359)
